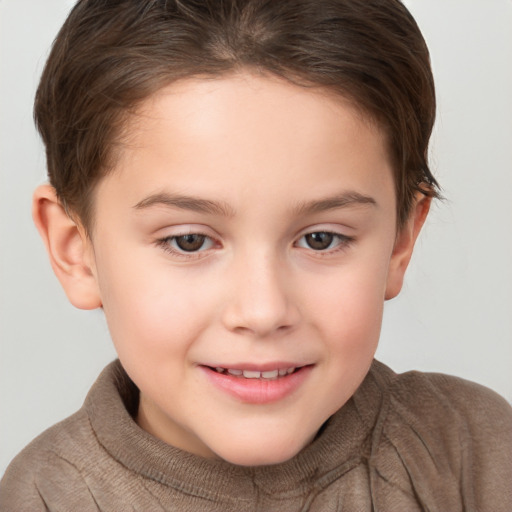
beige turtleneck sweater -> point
(403, 443)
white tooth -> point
(220, 370)
(290, 370)
(251, 375)
(237, 373)
(270, 375)
(283, 372)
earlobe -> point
(69, 249)
(404, 245)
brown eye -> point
(190, 243)
(319, 241)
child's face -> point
(249, 225)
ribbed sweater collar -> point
(341, 445)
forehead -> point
(202, 106)
(249, 135)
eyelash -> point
(165, 244)
(344, 242)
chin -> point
(262, 454)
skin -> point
(254, 163)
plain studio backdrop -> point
(455, 312)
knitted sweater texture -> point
(402, 443)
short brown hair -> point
(112, 54)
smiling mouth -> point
(253, 374)
(264, 385)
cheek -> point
(349, 305)
(147, 308)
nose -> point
(261, 301)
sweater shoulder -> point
(452, 434)
(430, 396)
(49, 467)
(63, 440)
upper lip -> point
(255, 367)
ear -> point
(404, 244)
(69, 249)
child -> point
(239, 185)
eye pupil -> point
(190, 243)
(320, 240)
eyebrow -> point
(208, 206)
(184, 202)
(334, 202)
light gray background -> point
(454, 315)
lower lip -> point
(258, 391)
